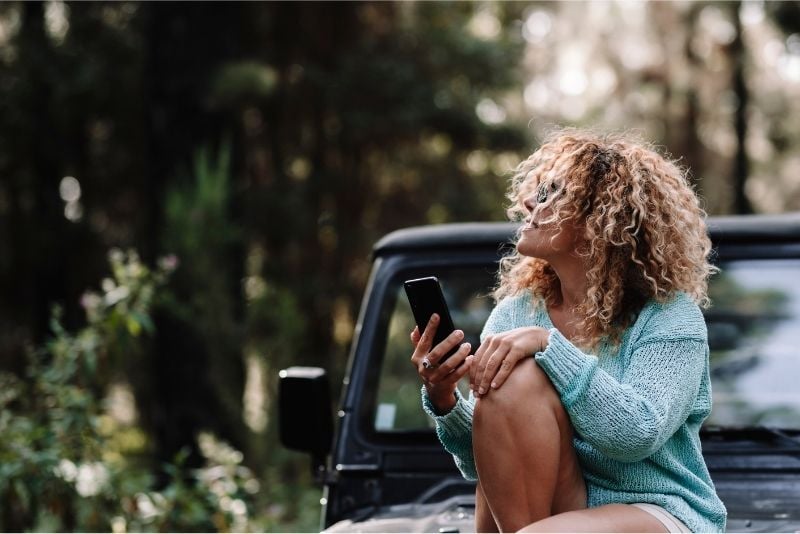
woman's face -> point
(544, 240)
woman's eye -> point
(544, 191)
(541, 194)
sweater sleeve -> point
(630, 419)
(454, 430)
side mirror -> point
(304, 412)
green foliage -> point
(197, 213)
(199, 228)
(217, 497)
(243, 82)
(66, 464)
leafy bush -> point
(68, 463)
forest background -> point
(189, 194)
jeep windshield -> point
(752, 327)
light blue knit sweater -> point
(636, 408)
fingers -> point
(460, 371)
(440, 375)
(489, 346)
(452, 369)
(415, 335)
(442, 349)
(477, 359)
(499, 354)
(423, 344)
(496, 363)
(505, 369)
(491, 363)
(426, 340)
(427, 359)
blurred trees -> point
(269, 145)
(703, 79)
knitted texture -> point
(636, 408)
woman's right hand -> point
(440, 380)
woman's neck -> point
(572, 285)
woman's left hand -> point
(499, 354)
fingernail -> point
(494, 385)
(435, 317)
(460, 333)
(481, 391)
(463, 345)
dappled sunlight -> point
(537, 25)
(664, 67)
(56, 17)
(255, 401)
(70, 191)
(489, 112)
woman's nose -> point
(529, 203)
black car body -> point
(386, 470)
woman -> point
(591, 381)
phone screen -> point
(426, 298)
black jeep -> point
(384, 470)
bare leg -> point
(522, 441)
(484, 522)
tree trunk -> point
(741, 165)
(195, 385)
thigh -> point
(608, 518)
(570, 488)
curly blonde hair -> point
(645, 232)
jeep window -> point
(752, 326)
(467, 291)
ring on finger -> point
(426, 363)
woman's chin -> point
(528, 247)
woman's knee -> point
(526, 388)
(526, 381)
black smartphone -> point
(426, 298)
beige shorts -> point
(670, 522)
